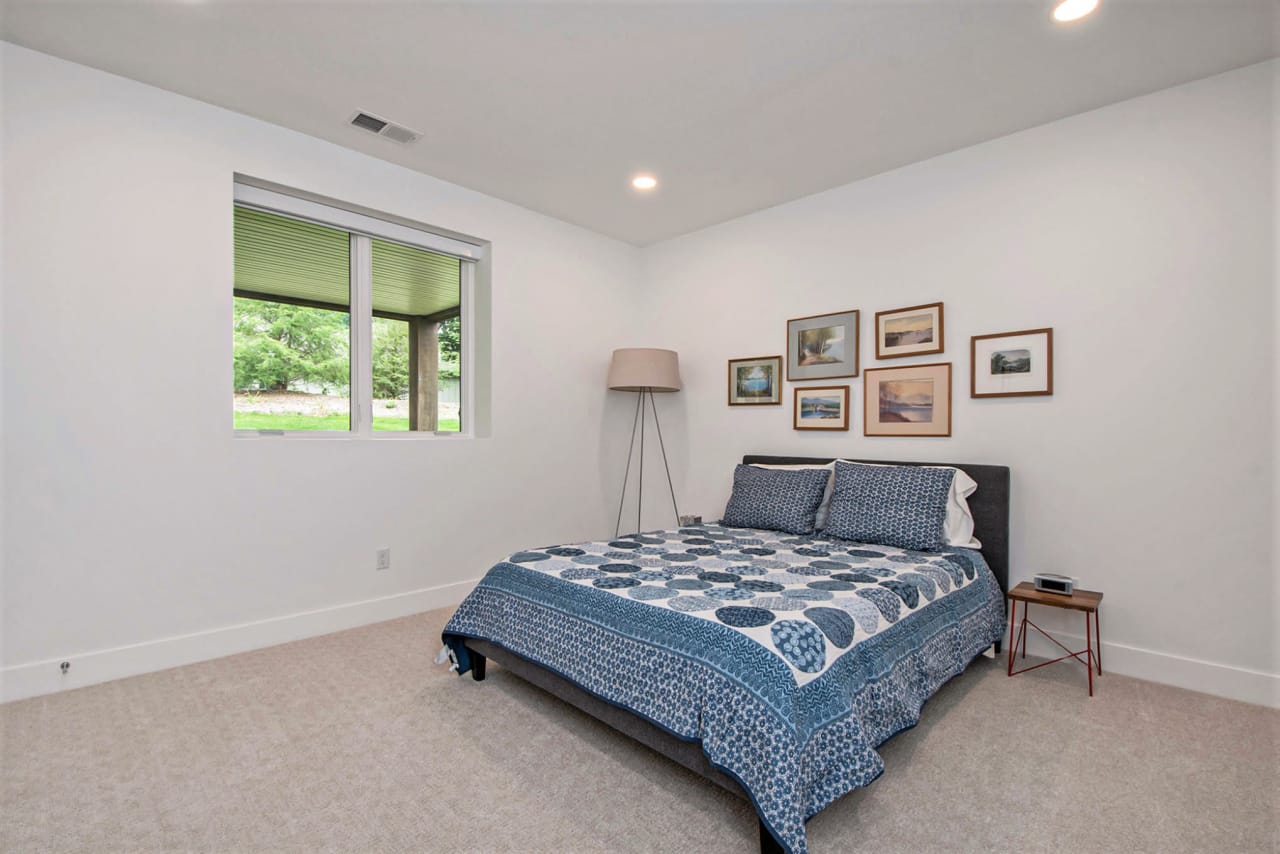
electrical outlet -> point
(65, 667)
(384, 559)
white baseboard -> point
(1222, 680)
(44, 677)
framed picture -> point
(822, 408)
(912, 331)
(823, 346)
(1011, 364)
(756, 381)
(908, 401)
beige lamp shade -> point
(642, 368)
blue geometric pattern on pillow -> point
(775, 499)
(903, 506)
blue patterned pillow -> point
(776, 499)
(903, 506)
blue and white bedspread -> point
(789, 658)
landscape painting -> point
(911, 331)
(824, 408)
(822, 346)
(911, 401)
(906, 400)
(1011, 362)
(755, 381)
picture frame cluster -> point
(898, 400)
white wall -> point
(132, 514)
(1144, 234)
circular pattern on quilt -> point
(801, 644)
(624, 544)
(765, 563)
(650, 592)
(811, 551)
(834, 623)
(744, 618)
(906, 592)
(864, 613)
(652, 551)
(652, 575)
(622, 556)
(688, 584)
(780, 603)
(864, 553)
(651, 562)
(759, 551)
(890, 606)
(939, 577)
(730, 594)
(740, 569)
(923, 583)
(809, 570)
(679, 557)
(565, 551)
(907, 559)
(528, 557)
(704, 551)
(649, 540)
(857, 577)
(720, 577)
(810, 593)
(832, 585)
(699, 541)
(619, 567)
(591, 560)
(832, 565)
(757, 585)
(693, 603)
(685, 569)
(580, 573)
(615, 582)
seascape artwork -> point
(906, 401)
(821, 407)
(908, 331)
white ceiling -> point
(734, 106)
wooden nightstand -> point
(1087, 601)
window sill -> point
(347, 436)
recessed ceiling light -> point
(644, 182)
(1073, 10)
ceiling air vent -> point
(382, 127)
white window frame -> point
(363, 228)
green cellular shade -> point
(288, 258)
(294, 260)
(413, 281)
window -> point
(344, 321)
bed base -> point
(686, 753)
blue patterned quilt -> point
(789, 658)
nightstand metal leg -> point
(1022, 634)
(1088, 645)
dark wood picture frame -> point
(1047, 332)
(777, 381)
(852, 322)
(871, 397)
(884, 352)
(842, 390)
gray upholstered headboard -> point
(989, 505)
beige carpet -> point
(356, 742)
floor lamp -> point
(644, 371)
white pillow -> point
(820, 521)
(957, 529)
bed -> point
(771, 664)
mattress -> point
(789, 659)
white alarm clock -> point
(1050, 582)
